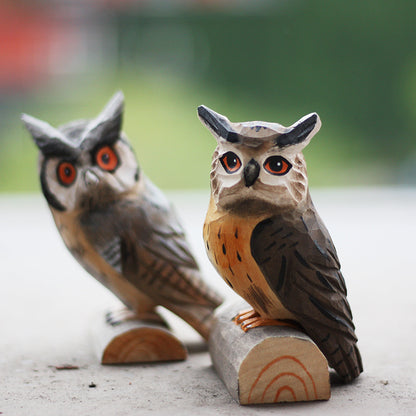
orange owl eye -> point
(277, 165)
(66, 173)
(107, 159)
(230, 162)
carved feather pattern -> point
(299, 261)
(145, 243)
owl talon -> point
(259, 321)
(244, 315)
(117, 317)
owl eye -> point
(277, 165)
(106, 159)
(66, 173)
(230, 162)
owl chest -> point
(227, 242)
(79, 245)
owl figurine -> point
(263, 235)
(115, 222)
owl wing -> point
(299, 262)
(143, 240)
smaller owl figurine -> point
(263, 235)
(115, 222)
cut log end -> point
(136, 341)
(141, 345)
(267, 364)
(283, 369)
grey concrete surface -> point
(48, 305)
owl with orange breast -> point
(265, 238)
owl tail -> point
(344, 357)
(200, 317)
(350, 365)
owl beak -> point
(251, 172)
(90, 178)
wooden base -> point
(267, 364)
(135, 341)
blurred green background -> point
(352, 62)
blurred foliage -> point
(352, 62)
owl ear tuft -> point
(106, 127)
(301, 132)
(50, 141)
(219, 125)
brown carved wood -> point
(267, 364)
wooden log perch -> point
(267, 364)
(135, 341)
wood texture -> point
(135, 341)
(267, 364)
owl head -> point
(85, 164)
(259, 166)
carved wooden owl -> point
(265, 238)
(115, 222)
